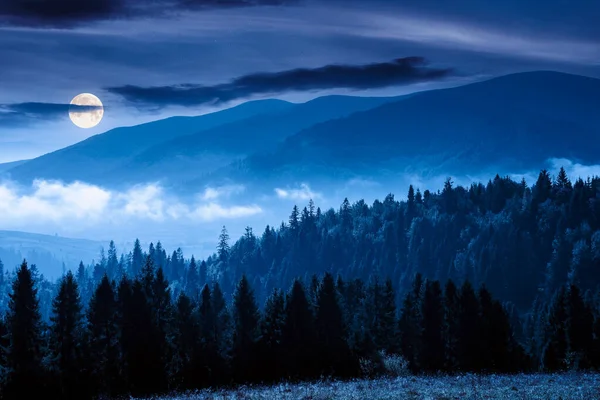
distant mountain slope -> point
(192, 155)
(516, 121)
(89, 160)
(49, 252)
(154, 152)
(9, 165)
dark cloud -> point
(401, 71)
(70, 13)
(23, 114)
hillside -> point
(90, 159)
(511, 123)
(9, 165)
(48, 252)
(177, 148)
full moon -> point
(86, 119)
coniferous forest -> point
(494, 278)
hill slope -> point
(48, 252)
(517, 121)
(89, 160)
(180, 148)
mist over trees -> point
(492, 278)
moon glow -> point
(86, 119)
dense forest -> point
(490, 278)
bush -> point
(394, 364)
(383, 364)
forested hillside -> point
(495, 277)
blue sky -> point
(52, 52)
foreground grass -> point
(537, 386)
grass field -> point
(537, 386)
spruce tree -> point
(432, 353)
(556, 346)
(410, 325)
(271, 335)
(126, 331)
(580, 328)
(192, 281)
(66, 338)
(210, 358)
(103, 336)
(24, 354)
(112, 263)
(187, 342)
(389, 319)
(469, 329)
(334, 354)
(299, 334)
(450, 328)
(137, 259)
(246, 319)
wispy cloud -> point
(72, 13)
(402, 71)
(433, 31)
(302, 193)
(214, 193)
(87, 205)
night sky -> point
(156, 58)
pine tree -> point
(222, 331)
(66, 338)
(389, 318)
(186, 340)
(271, 336)
(112, 263)
(137, 259)
(469, 329)
(223, 246)
(299, 334)
(432, 354)
(555, 349)
(191, 282)
(163, 323)
(210, 359)
(246, 319)
(103, 334)
(580, 328)
(450, 329)
(334, 354)
(410, 325)
(24, 326)
(202, 274)
(126, 332)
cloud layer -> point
(401, 71)
(71, 13)
(48, 202)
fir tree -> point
(245, 330)
(187, 342)
(24, 326)
(271, 336)
(334, 354)
(299, 334)
(66, 338)
(450, 329)
(469, 329)
(103, 334)
(137, 259)
(432, 354)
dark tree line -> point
(149, 321)
(134, 339)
